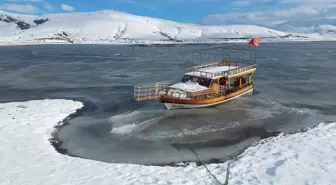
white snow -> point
(7, 30)
(219, 69)
(319, 27)
(110, 26)
(213, 70)
(189, 86)
(26, 18)
(28, 158)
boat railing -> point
(239, 70)
(225, 62)
(156, 90)
(205, 74)
(205, 94)
(174, 93)
(199, 95)
(242, 67)
(228, 73)
(234, 89)
(150, 91)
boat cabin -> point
(222, 78)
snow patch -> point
(188, 86)
(319, 27)
(28, 158)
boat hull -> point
(171, 106)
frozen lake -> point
(294, 89)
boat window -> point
(204, 82)
(201, 81)
(186, 78)
(222, 81)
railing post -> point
(146, 91)
(157, 90)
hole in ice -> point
(161, 137)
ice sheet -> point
(28, 158)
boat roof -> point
(217, 70)
(209, 71)
(212, 70)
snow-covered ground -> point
(326, 27)
(28, 158)
(114, 27)
(189, 86)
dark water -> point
(295, 89)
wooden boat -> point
(203, 85)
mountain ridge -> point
(111, 26)
(317, 26)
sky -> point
(207, 12)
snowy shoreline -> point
(28, 158)
(149, 43)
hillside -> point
(319, 26)
(117, 27)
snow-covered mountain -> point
(319, 26)
(113, 26)
(117, 27)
